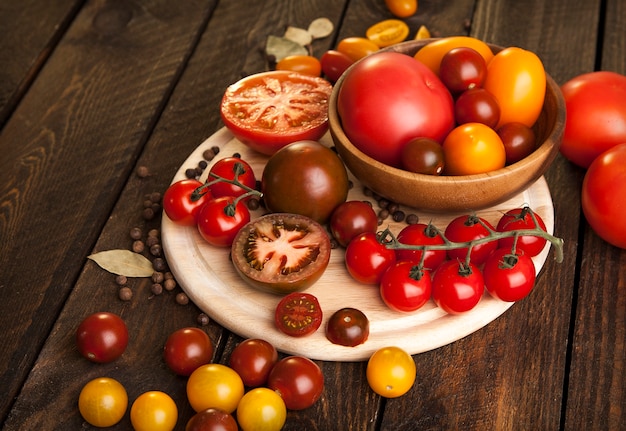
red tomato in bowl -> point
(604, 195)
(388, 99)
(269, 110)
(596, 115)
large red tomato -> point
(388, 99)
(604, 195)
(596, 115)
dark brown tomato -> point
(348, 327)
(519, 141)
(281, 253)
(423, 156)
(305, 178)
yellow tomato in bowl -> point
(517, 79)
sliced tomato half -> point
(269, 110)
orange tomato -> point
(402, 8)
(357, 47)
(306, 64)
(473, 148)
(388, 32)
(214, 385)
(153, 411)
(390, 372)
(102, 402)
(432, 53)
(517, 79)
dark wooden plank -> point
(510, 374)
(596, 390)
(29, 31)
(87, 115)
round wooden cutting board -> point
(209, 279)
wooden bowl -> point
(454, 193)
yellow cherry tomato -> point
(473, 148)
(261, 409)
(517, 79)
(102, 402)
(214, 385)
(402, 8)
(390, 372)
(388, 32)
(432, 53)
(357, 47)
(306, 64)
(153, 411)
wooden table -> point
(89, 91)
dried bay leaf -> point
(279, 47)
(123, 262)
(320, 27)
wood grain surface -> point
(90, 90)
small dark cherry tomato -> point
(350, 219)
(348, 327)
(178, 205)
(298, 380)
(517, 219)
(519, 141)
(467, 228)
(102, 337)
(405, 287)
(334, 63)
(477, 106)
(186, 349)
(423, 156)
(457, 287)
(367, 259)
(229, 168)
(212, 419)
(220, 219)
(298, 314)
(462, 68)
(253, 359)
(509, 276)
(421, 234)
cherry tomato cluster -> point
(453, 267)
(254, 380)
(217, 207)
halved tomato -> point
(269, 110)
(298, 314)
(281, 253)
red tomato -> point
(253, 360)
(298, 380)
(405, 287)
(212, 419)
(456, 287)
(230, 168)
(177, 202)
(352, 218)
(522, 218)
(102, 337)
(186, 349)
(298, 314)
(509, 277)
(596, 115)
(604, 195)
(519, 141)
(421, 234)
(220, 219)
(468, 228)
(367, 259)
(348, 327)
(334, 63)
(269, 110)
(477, 105)
(388, 99)
(462, 68)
